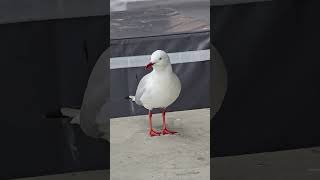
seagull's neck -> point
(163, 69)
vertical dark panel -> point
(28, 72)
(79, 43)
(44, 65)
(269, 52)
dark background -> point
(44, 66)
(271, 54)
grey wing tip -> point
(132, 98)
(127, 97)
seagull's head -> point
(159, 60)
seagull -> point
(158, 89)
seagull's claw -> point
(154, 133)
(166, 131)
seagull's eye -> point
(160, 58)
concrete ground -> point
(185, 156)
(299, 164)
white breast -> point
(161, 91)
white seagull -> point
(158, 89)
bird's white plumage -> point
(161, 87)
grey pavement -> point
(185, 156)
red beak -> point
(148, 66)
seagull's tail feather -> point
(132, 98)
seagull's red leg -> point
(151, 131)
(164, 126)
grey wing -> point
(94, 112)
(141, 89)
